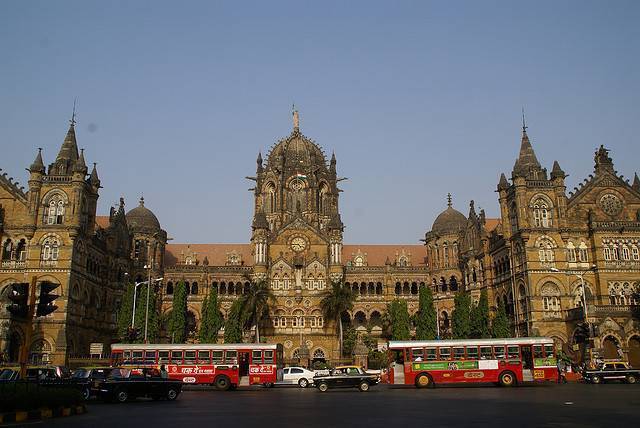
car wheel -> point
(172, 394)
(86, 394)
(122, 396)
(423, 381)
(303, 383)
(364, 386)
(268, 384)
(323, 386)
(222, 383)
(596, 379)
(631, 379)
(507, 379)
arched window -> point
(545, 251)
(550, 299)
(40, 352)
(453, 284)
(606, 249)
(323, 199)
(297, 201)
(626, 255)
(194, 288)
(53, 212)
(270, 198)
(541, 213)
(169, 287)
(398, 288)
(378, 288)
(50, 249)
(583, 255)
(298, 318)
(571, 253)
(7, 248)
(635, 254)
(522, 301)
(445, 252)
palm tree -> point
(337, 301)
(255, 304)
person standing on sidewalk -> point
(562, 371)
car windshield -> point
(81, 374)
(6, 374)
(120, 373)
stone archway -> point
(610, 347)
(634, 351)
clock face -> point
(298, 244)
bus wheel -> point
(631, 379)
(423, 381)
(172, 394)
(507, 379)
(222, 383)
(268, 384)
(122, 396)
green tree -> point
(178, 317)
(124, 313)
(479, 318)
(426, 316)
(212, 320)
(152, 318)
(235, 321)
(255, 305)
(349, 340)
(399, 319)
(460, 319)
(336, 301)
(500, 326)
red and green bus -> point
(506, 362)
(223, 366)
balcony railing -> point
(14, 264)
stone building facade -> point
(534, 259)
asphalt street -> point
(550, 405)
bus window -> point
(204, 356)
(231, 357)
(126, 355)
(398, 356)
(445, 353)
(136, 355)
(217, 357)
(431, 354)
(513, 352)
(176, 357)
(458, 353)
(499, 352)
(150, 356)
(549, 350)
(485, 353)
(472, 352)
(537, 351)
(256, 357)
(417, 354)
(268, 357)
(190, 357)
(163, 357)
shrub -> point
(30, 396)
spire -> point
(80, 165)
(527, 160)
(259, 162)
(95, 181)
(142, 201)
(37, 165)
(556, 171)
(636, 182)
(503, 184)
(449, 204)
(472, 209)
(69, 149)
(296, 118)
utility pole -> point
(24, 349)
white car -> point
(297, 375)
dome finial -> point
(73, 114)
(142, 200)
(296, 117)
(449, 204)
(524, 123)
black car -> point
(122, 385)
(84, 379)
(606, 371)
(346, 377)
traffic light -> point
(19, 295)
(582, 332)
(45, 299)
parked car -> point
(35, 373)
(84, 379)
(616, 370)
(297, 376)
(123, 384)
(346, 377)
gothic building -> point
(548, 251)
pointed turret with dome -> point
(149, 241)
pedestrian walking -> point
(562, 371)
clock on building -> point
(298, 244)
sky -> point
(416, 99)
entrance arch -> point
(634, 352)
(610, 347)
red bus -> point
(223, 366)
(503, 361)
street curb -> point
(44, 413)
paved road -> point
(571, 405)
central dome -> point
(449, 221)
(142, 218)
(297, 151)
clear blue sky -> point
(417, 99)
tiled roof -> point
(217, 253)
(491, 223)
